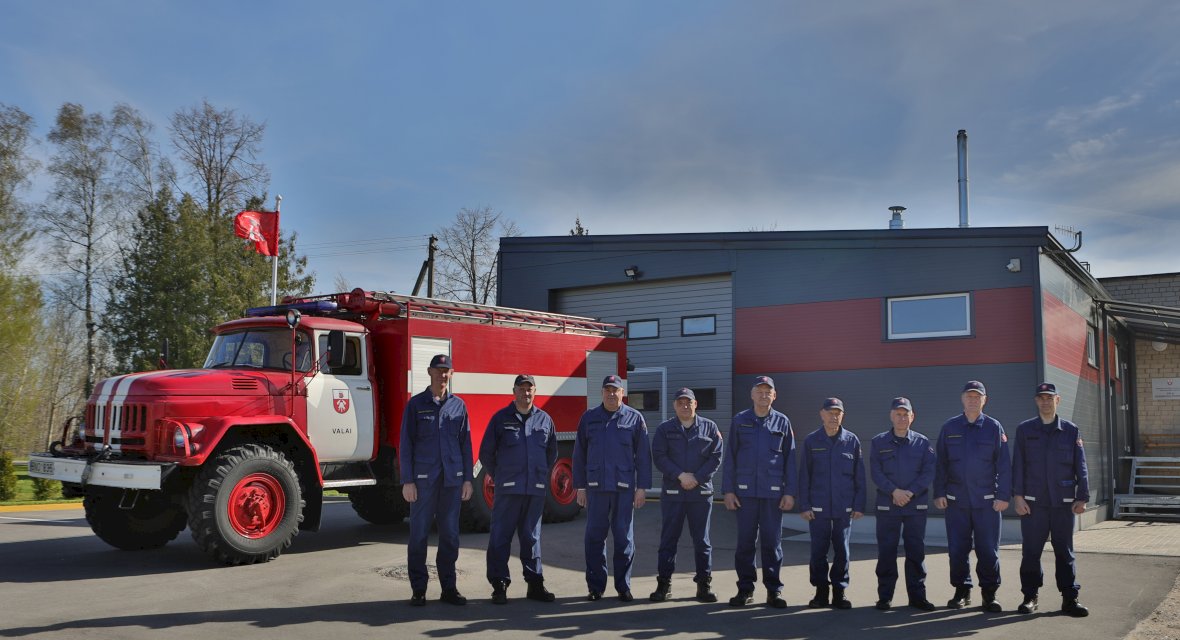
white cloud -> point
(1069, 120)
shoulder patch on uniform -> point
(1080, 442)
(1003, 437)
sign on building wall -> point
(1165, 388)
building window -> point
(643, 329)
(706, 399)
(698, 325)
(929, 316)
(1092, 346)
(1118, 364)
(648, 400)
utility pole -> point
(427, 270)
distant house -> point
(864, 315)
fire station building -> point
(866, 315)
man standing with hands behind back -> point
(759, 483)
(612, 470)
(436, 465)
(1051, 486)
(973, 482)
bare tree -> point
(15, 168)
(82, 214)
(142, 169)
(468, 255)
(220, 152)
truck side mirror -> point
(335, 349)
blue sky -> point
(385, 118)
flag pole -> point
(274, 274)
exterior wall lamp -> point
(632, 272)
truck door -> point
(340, 404)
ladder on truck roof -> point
(434, 308)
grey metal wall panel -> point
(702, 361)
(1081, 403)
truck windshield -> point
(260, 349)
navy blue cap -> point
(833, 403)
(523, 378)
(612, 381)
(766, 380)
(976, 386)
(1046, 388)
(685, 393)
(441, 361)
(901, 403)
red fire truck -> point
(308, 396)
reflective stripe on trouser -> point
(759, 521)
(911, 530)
(435, 502)
(611, 511)
(520, 515)
(1055, 524)
(673, 514)
(973, 527)
(830, 533)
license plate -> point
(44, 467)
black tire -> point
(475, 516)
(246, 505)
(381, 504)
(150, 524)
(561, 503)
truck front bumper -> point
(123, 474)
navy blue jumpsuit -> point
(907, 464)
(612, 458)
(435, 455)
(1049, 470)
(759, 467)
(695, 449)
(973, 470)
(517, 452)
(832, 487)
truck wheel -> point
(381, 504)
(246, 505)
(561, 504)
(475, 516)
(151, 523)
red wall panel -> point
(1065, 338)
(849, 335)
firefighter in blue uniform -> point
(612, 471)
(435, 462)
(902, 465)
(517, 452)
(973, 483)
(1050, 485)
(759, 483)
(687, 451)
(831, 496)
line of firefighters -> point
(971, 472)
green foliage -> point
(46, 489)
(7, 477)
(183, 273)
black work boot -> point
(1029, 604)
(704, 592)
(961, 599)
(742, 598)
(1071, 607)
(838, 599)
(989, 600)
(821, 598)
(663, 590)
(774, 599)
(499, 592)
(538, 592)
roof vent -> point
(896, 222)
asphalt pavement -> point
(57, 580)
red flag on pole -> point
(260, 226)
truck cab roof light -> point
(312, 308)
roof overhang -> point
(1146, 321)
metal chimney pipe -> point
(896, 222)
(964, 220)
